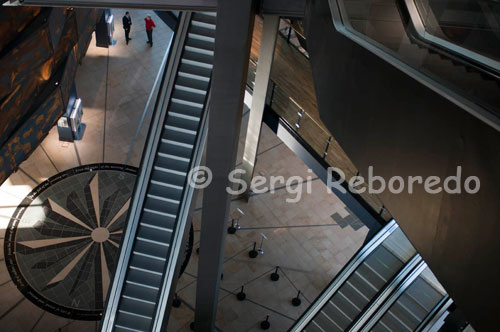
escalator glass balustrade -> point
(413, 35)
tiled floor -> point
(309, 240)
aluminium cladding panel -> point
(383, 118)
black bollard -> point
(265, 325)
(275, 276)
(176, 303)
(241, 296)
(232, 229)
(253, 253)
(296, 301)
(191, 326)
(198, 250)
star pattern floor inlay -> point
(63, 238)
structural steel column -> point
(232, 50)
(262, 76)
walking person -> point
(127, 23)
(150, 24)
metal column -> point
(232, 50)
(263, 74)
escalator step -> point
(133, 321)
(201, 37)
(202, 24)
(200, 44)
(336, 314)
(326, 323)
(395, 323)
(154, 251)
(139, 294)
(131, 306)
(182, 123)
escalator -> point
(412, 307)
(149, 264)
(386, 287)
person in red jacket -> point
(150, 24)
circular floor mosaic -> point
(63, 238)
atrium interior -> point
(212, 171)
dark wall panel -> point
(283, 7)
(383, 118)
(56, 17)
(30, 60)
(28, 136)
(26, 59)
(37, 67)
(13, 21)
(67, 79)
(69, 38)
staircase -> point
(483, 84)
(149, 266)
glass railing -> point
(387, 29)
(474, 25)
(292, 31)
(309, 127)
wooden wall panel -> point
(13, 21)
(68, 76)
(28, 136)
(56, 17)
(28, 59)
(33, 57)
(31, 60)
(69, 38)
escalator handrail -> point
(342, 25)
(343, 275)
(385, 294)
(479, 62)
(384, 307)
(141, 185)
(435, 314)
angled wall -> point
(383, 118)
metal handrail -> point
(386, 293)
(395, 296)
(141, 185)
(342, 25)
(436, 314)
(343, 275)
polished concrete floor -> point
(309, 240)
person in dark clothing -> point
(127, 23)
(150, 24)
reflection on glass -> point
(456, 44)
